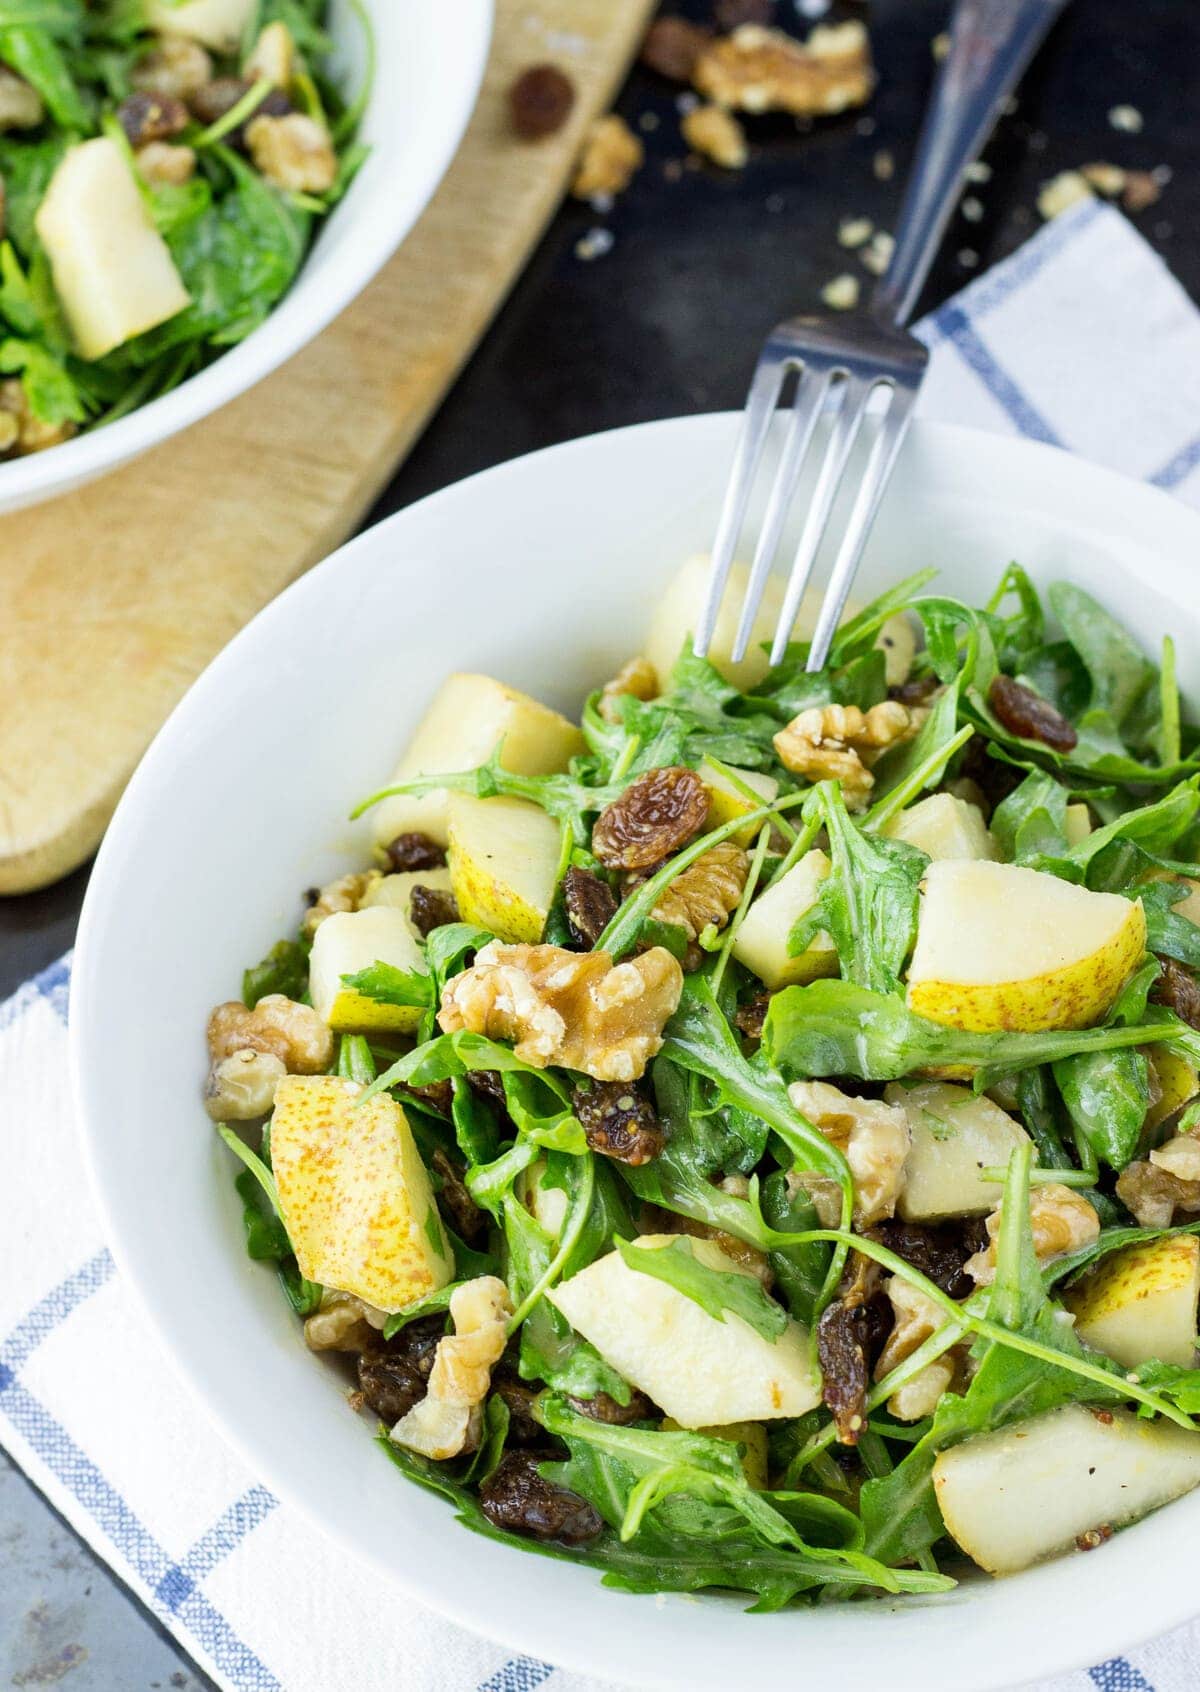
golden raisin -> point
(653, 818)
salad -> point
(750, 1138)
(163, 164)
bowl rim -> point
(273, 342)
(1110, 1631)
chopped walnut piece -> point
(1063, 191)
(20, 104)
(654, 817)
(293, 1032)
(1154, 1191)
(174, 70)
(917, 1317)
(575, 1009)
(1143, 188)
(343, 1323)
(839, 741)
(241, 1087)
(841, 294)
(448, 1419)
(877, 254)
(1106, 179)
(345, 894)
(293, 152)
(160, 162)
(637, 679)
(762, 70)
(717, 135)
(31, 434)
(612, 154)
(707, 892)
(1062, 1220)
(872, 1136)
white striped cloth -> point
(91, 1410)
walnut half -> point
(763, 70)
(575, 1009)
(917, 1318)
(447, 1420)
(707, 892)
(839, 742)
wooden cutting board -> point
(114, 598)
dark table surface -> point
(668, 321)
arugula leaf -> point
(714, 1290)
(1107, 1095)
(283, 970)
(868, 902)
(387, 985)
(1119, 671)
(266, 1237)
(1030, 824)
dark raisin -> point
(393, 1377)
(1025, 713)
(672, 46)
(414, 851)
(590, 904)
(749, 1018)
(842, 1353)
(151, 117)
(488, 1084)
(430, 908)
(732, 14)
(603, 1408)
(516, 1497)
(524, 1429)
(914, 692)
(438, 1094)
(619, 1122)
(540, 101)
(660, 812)
(938, 1253)
(215, 99)
(1178, 989)
(468, 1220)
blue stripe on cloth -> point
(175, 1587)
(967, 342)
(1119, 1675)
(1179, 468)
(54, 1309)
(1000, 284)
(54, 984)
(522, 1674)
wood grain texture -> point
(114, 598)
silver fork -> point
(840, 363)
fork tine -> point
(892, 430)
(852, 398)
(760, 408)
(806, 408)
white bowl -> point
(426, 78)
(541, 571)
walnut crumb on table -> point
(855, 231)
(717, 134)
(612, 154)
(1063, 191)
(841, 294)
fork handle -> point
(991, 42)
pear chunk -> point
(762, 940)
(219, 24)
(469, 717)
(726, 802)
(944, 827)
(352, 940)
(112, 271)
(700, 1371)
(1003, 947)
(1140, 1303)
(952, 1136)
(504, 856)
(355, 1197)
(1028, 1491)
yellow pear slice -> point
(1177, 1081)
(468, 718)
(1140, 1302)
(953, 1134)
(944, 827)
(1013, 1497)
(762, 940)
(1003, 947)
(699, 1370)
(726, 801)
(350, 941)
(504, 856)
(356, 1198)
(113, 273)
